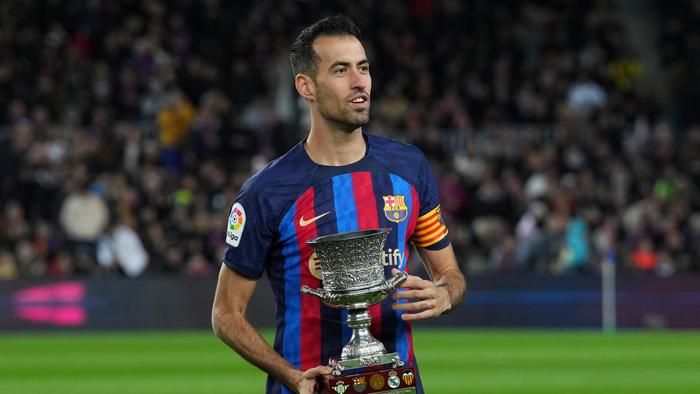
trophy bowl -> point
(353, 269)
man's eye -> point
(339, 71)
(364, 69)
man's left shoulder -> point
(393, 149)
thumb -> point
(325, 370)
(394, 271)
(318, 371)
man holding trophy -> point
(331, 223)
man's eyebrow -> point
(362, 62)
(338, 63)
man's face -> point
(343, 82)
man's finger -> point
(414, 306)
(413, 282)
(317, 371)
(419, 316)
(410, 294)
(325, 370)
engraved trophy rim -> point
(346, 236)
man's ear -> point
(305, 86)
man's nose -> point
(358, 80)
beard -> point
(341, 113)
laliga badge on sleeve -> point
(236, 223)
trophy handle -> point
(326, 296)
(392, 284)
(319, 293)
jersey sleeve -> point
(248, 233)
(431, 232)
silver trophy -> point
(352, 265)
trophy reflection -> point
(353, 277)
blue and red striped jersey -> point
(293, 200)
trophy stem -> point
(362, 343)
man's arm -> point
(233, 293)
(431, 298)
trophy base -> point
(347, 367)
(388, 381)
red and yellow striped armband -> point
(430, 229)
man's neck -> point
(332, 147)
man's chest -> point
(353, 202)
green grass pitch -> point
(452, 361)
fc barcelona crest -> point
(395, 208)
(359, 384)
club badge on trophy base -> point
(353, 277)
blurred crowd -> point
(679, 52)
(126, 129)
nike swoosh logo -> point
(304, 223)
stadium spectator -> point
(8, 266)
(174, 120)
(121, 248)
(84, 216)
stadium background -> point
(564, 135)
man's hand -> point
(308, 382)
(425, 300)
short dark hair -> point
(302, 56)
